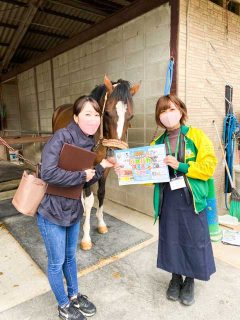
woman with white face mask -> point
(184, 247)
(59, 217)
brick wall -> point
(45, 95)
(10, 99)
(210, 36)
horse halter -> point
(109, 143)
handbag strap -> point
(19, 155)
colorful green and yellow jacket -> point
(197, 162)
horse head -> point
(115, 99)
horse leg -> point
(102, 228)
(86, 243)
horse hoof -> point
(85, 245)
(102, 229)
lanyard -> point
(176, 150)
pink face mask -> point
(89, 126)
(170, 118)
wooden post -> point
(19, 107)
(37, 100)
(52, 82)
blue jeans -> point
(61, 246)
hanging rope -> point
(230, 132)
(168, 84)
(229, 138)
(169, 77)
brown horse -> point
(115, 100)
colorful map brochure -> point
(142, 165)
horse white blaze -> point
(121, 110)
(99, 215)
(88, 204)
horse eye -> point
(107, 113)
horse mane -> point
(98, 92)
(120, 92)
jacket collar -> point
(184, 130)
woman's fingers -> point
(171, 161)
(90, 173)
(106, 164)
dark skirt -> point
(184, 245)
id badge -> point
(177, 183)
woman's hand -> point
(117, 168)
(172, 162)
(90, 173)
(106, 163)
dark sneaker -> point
(70, 313)
(187, 292)
(84, 305)
(174, 287)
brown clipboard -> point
(72, 158)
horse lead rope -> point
(19, 155)
(101, 124)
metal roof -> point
(45, 24)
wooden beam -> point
(15, 2)
(174, 38)
(80, 5)
(37, 100)
(48, 34)
(52, 85)
(33, 30)
(8, 25)
(128, 13)
(24, 139)
(92, 7)
(50, 11)
(19, 106)
(108, 5)
(5, 44)
(67, 16)
(14, 61)
(26, 20)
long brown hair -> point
(163, 104)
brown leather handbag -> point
(29, 194)
(30, 191)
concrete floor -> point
(126, 286)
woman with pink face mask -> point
(184, 247)
(59, 218)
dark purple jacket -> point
(60, 210)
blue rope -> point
(168, 84)
(229, 129)
(169, 77)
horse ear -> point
(134, 89)
(108, 84)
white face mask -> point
(170, 118)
